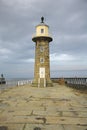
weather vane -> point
(42, 19)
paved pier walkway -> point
(53, 108)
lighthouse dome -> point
(42, 30)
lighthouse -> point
(42, 39)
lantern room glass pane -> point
(42, 30)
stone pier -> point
(52, 108)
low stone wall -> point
(59, 81)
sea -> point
(12, 82)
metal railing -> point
(44, 34)
(23, 82)
(75, 82)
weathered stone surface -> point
(75, 127)
(58, 107)
(70, 114)
(43, 127)
(65, 120)
(12, 126)
(46, 112)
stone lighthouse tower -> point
(42, 61)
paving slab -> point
(11, 126)
(43, 127)
(65, 120)
(46, 112)
(75, 127)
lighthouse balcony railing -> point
(39, 34)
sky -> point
(68, 27)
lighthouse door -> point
(42, 81)
(42, 72)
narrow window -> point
(41, 48)
(42, 30)
(41, 60)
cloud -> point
(62, 57)
(68, 25)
